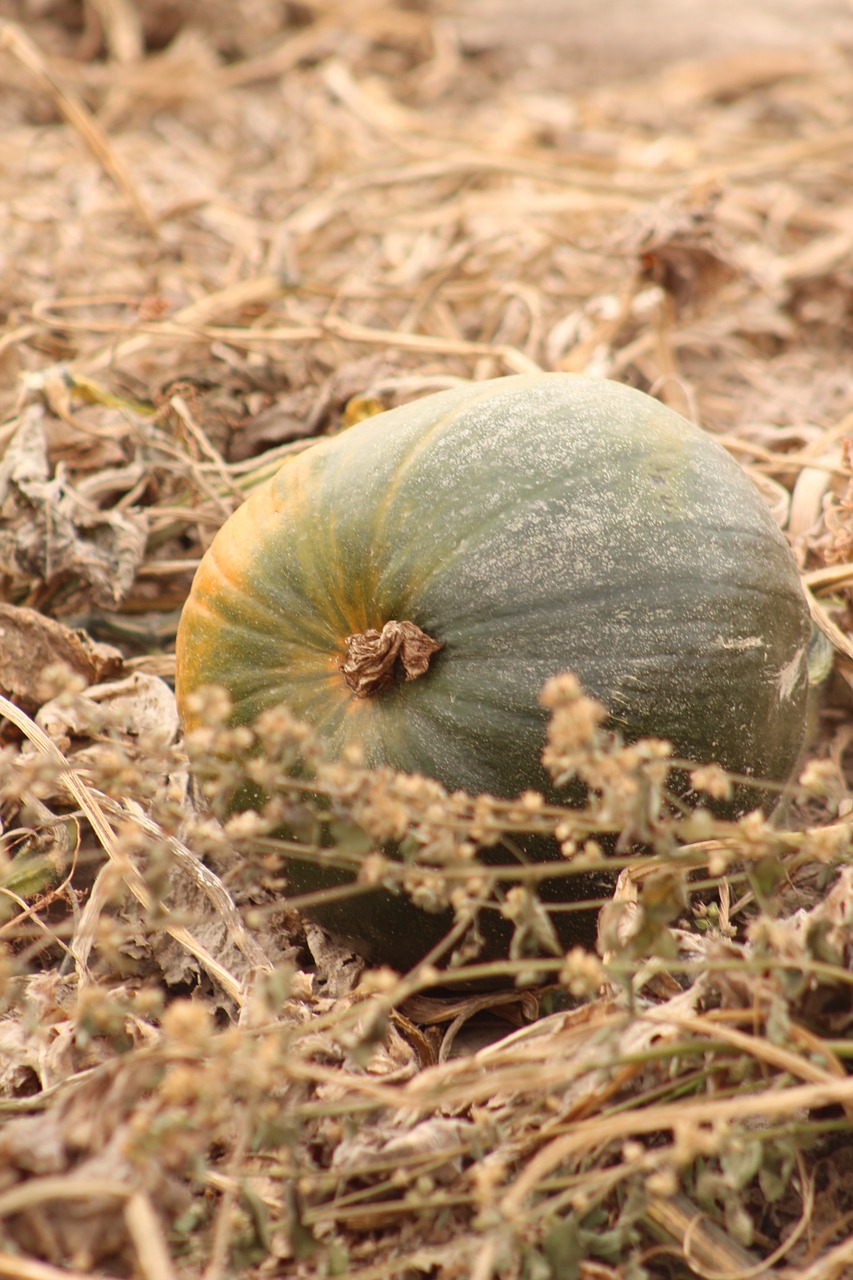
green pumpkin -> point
(528, 526)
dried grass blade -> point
(587, 1134)
(185, 323)
(123, 31)
(146, 1232)
(835, 1264)
(707, 1250)
(87, 801)
(79, 117)
(205, 879)
(830, 629)
(514, 359)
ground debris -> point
(226, 239)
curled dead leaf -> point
(139, 706)
(49, 532)
(31, 642)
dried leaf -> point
(385, 1147)
(682, 248)
(139, 706)
(337, 966)
(48, 532)
(30, 642)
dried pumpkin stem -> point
(372, 656)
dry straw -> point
(227, 230)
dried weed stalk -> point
(690, 1074)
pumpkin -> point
(409, 585)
